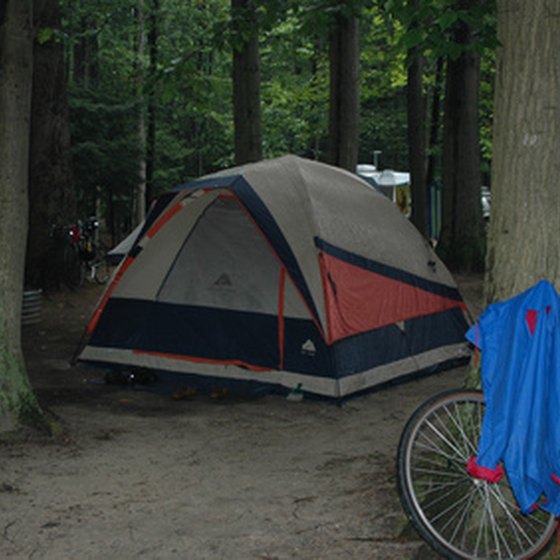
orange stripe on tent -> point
(201, 360)
(99, 310)
(164, 219)
(281, 297)
(282, 264)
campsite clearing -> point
(141, 475)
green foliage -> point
(294, 90)
(105, 146)
(46, 34)
(432, 25)
(383, 90)
(488, 71)
(432, 28)
(192, 88)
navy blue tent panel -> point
(222, 335)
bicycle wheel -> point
(73, 267)
(460, 516)
(102, 269)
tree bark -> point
(434, 123)
(344, 96)
(416, 112)
(152, 103)
(461, 243)
(524, 239)
(246, 83)
(51, 189)
(17, 402)
(139, 199)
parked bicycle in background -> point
(79, 254)
(93, 252)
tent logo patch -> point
(308, 348)
(223, 281)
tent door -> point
(228, 280)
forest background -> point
(151, 102)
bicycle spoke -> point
(460, 521)
(445, 440)
(427, 506)
(470, 448)
(460, 511)
(496, 529)
(466, 522)
(517, 528)
(481, 533)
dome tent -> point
(280, 273)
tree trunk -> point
(51, 190)
(344, 104)
(85, 67)
(139, 199)
(152, 103)
(434, 123)
(461, 243)
(246, 83)
(17, 402)
(524, 240)
(416, 112)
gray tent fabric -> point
(282, 272)
(119, 251)
(206, 272)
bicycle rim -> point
(459, 516)
(101, 272)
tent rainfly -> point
(279, 273)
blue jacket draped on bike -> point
(520, 344)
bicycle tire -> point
(457, 515)
(73, 267)
(102, 271)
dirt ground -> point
(141, 475)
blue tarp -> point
(520, 343)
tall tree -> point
(344, 99)
(524, 245)
(152, 102)
(459, 31)
(85, 59)
(416, 112)
(246, 82)
(17, 402)
(462, 237)
(51, 189)
(434, 123)
(139, 200)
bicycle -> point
(93, 252)
(78, 254)
(458, 515)
(65, 253)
